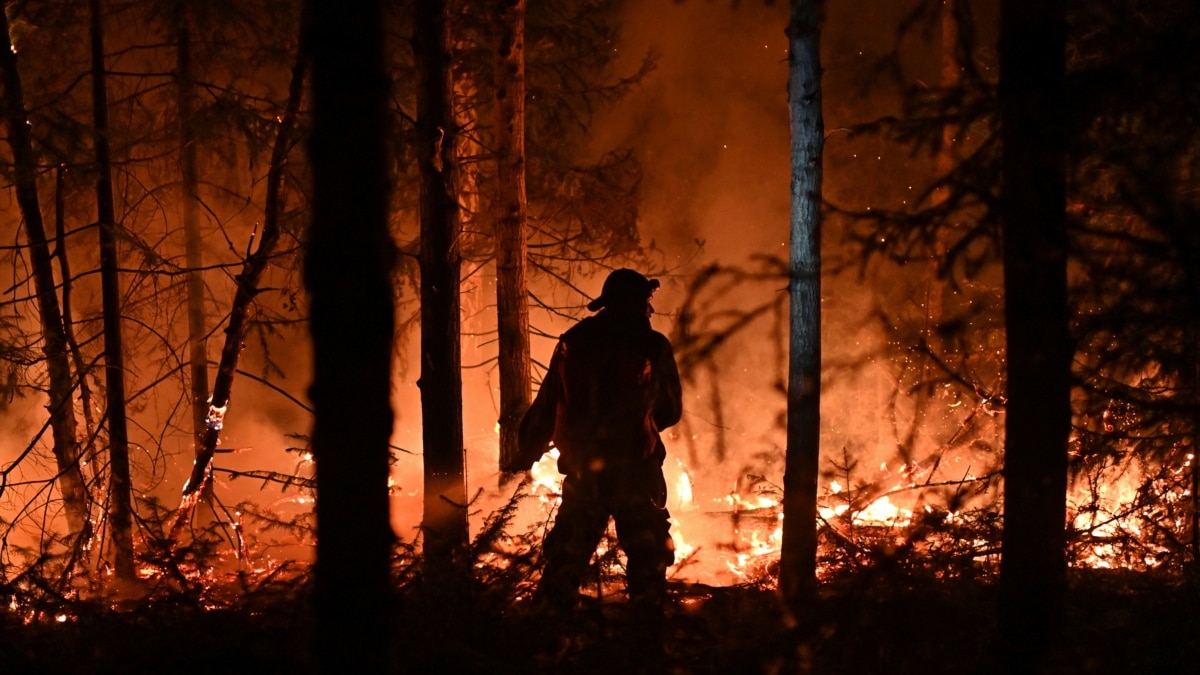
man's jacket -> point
(611, 387)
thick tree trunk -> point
(243, 300)
(445, 518)
(193, 244)
(348, 273)
(798, 557)
(512, 305)
(120, 495)
(1039, 351)
(54, 341)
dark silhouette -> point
(1039, 351)
(349, 258)
(611, 387)
(444, 524)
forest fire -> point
(895, 270)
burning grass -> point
(879, 620)
(904, 591)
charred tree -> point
(54, 339)
(120, 494)
(798, 556)
(1039, 352)
(348, 266)
(512, 304)
(189, 210)
(444, 524)
(246, 290)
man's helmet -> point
(624, 287)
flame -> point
(683, 487)
(547, 481)
(216, 416)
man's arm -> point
(537, 426)
(668, 400)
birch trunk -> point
(798, 556)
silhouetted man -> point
(611, 387)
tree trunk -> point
(1190, 385)
(120, 495)
(445, 518)
(926, 394)
(64, 273)
(243, 300)
(54, 341)
(348, 273)
(512, 306)
(1039, 351)
(798, 557)
(193, 246)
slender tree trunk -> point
(243, 300)
(54, 341)
(120, 496)
(950, 76)
(1190, 384)
(925, 395)
(193, 243)
(348, 268)
(445, 518)
(512, 304)
(64, 273)
(798, 557)
(944, 162)
(1039, 351)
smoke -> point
(710, 128)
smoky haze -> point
(710, 128)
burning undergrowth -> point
(902, 589)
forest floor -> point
(1116, 622)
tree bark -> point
(798, 557)
(54, 341)
(512, 304)
(1039, 351)
(445, 516)
(193, 242)
(243, 300)
(348, 273)
(120, 494)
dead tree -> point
(54, 338)
(247, 288)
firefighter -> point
(611, 387)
